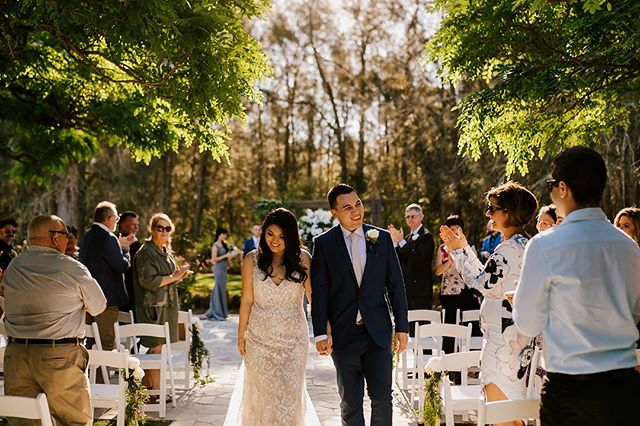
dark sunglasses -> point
(9, 232)
(551, 183)
(493, 209)
(65, 233)
(161, 228)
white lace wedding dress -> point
(270, 387)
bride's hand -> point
(241, 347)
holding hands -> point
(452, 240)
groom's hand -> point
(324, 347)
(401, 340)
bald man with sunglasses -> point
(47, 296)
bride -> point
(273, 335)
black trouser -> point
(362, 359)
(609, 398)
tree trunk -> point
(200, 194)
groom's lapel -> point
(366, 227)
(342, 247)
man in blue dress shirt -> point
(580, 288)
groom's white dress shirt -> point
(580, 287)
(361, 245)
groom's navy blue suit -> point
(359, 351)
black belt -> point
(48, 342)
(593, 377)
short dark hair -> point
(8, 221)
(550, 210)
(584, 172)
(126, 215)
(72, 230)
(519, 203)
(336, 191)
(454, 219)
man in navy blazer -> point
(107, 258)
(354, 266)
(252, 242)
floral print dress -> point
(506, 354)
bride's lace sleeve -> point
(490, 278)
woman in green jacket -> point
(155, 279)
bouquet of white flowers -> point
(315, 222)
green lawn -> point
(204, 284)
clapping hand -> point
(452, 240)
(396, 234)
(125, 242)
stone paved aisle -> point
(208, 405)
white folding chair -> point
(408, 357)
(638, 356)
(91, 331)
(4, 339)
(125, 317)
(110, 395)
(23, 407)
(180, 352)
(504, 411)
(437, 332)
(473, 315)
(159, 361)
(464, 397)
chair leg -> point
(163, 390)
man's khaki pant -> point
(105, 322)
(59, 372)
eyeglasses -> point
(161, 228)
(10, 232)
(411, 216)
(65, 233)
(492, 209)
(551, 183)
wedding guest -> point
(628, 219)
(220, 255)
(547, 218)
(454, 293)
(505, 352)
(107, 258)
(252, 242)
(8, 228)
(580, 288)
(155, 279)
(47, 297)
(415, 252)
(272, 332)
(489, 243)
(129, 224)
(72, 242)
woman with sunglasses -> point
(155, 279)
(220, 255)
(506, 354)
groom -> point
(354, 266)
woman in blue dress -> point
(220, 255)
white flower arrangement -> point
(373, 235)
(315, 222)
(133, 363)
(434, 365)
(197, 324)
(138, 373)
(415, 237)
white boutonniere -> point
(415, 237)
(373, 235)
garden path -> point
(208, 405)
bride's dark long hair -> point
(286, 221)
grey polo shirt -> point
(47, 294)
